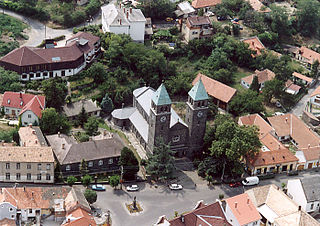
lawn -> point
(241, 73)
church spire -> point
(198, 92)
(161, 96)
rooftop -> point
(198, 21)
(198, 92)
(26, 154)
(311, 187)
(259, 7)
(161, 96)
(263, 76)
(74, 109)
(254, 44)
(257, 120)
(309, 54)
(303, 77)
(32, 136)
(204, 3)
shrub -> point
(86, 180)
(71, 180)
(90, 195)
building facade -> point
(197, 27)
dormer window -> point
(9, 101)
(21, 103)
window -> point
(28, 166)
(24, 76)
(100, 162)
(48, 176)
(7, 110)
(194, 32)
(7, 165)
(38, 74)
(39, 166)
(39, 176)
(110, 161)
(29, 115)
(7, 176)
(12, 216)
(31, 75)
(68, 167)
(255, 223)
(18, 176)
(10, 209)
(30, 210)
(176, 138)
(51, 74)
(48, 166)
(90, 164)
(63, 73)
(45, 74)
(28, 176)
(311, 207)
(18, 165)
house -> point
(120, 20)
(72, 110)
(184, 10)
(305, 192)
(197, 27)
(37, 63)
(88, 43)
(292, 88)
(31, 136)
(255, 44)
(273, 156)
(205, 4)
(307, 56)
(305, 80)
(240, 210)
(202, 214)
(26, 164)
(263, 76)
(220, 93)
(154, 117)
(259, 7)
(26, 106)
(101, 155)
(315, 98)
(277, 209)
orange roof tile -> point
(243, 209)
(311, 153)
(303, 77)
(309, 54)
(255, 44)
(79, 217)
(7, 222)
(216, 89)
(257, 120)
(205, 3)
(263, 76)
(315, 92)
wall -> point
(315, 100)
(5, 212)
(136, 31)
(244, 84)
(119, 29)
(295, 192)
(230, 217)
(25, 120)
(8, 111)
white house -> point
(263, 76)
(8, 211)
(305, 192)
(120, 20)
(315, 98)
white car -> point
(133, 187)
(175, 187)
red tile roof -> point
(243, 209)
(7, 222)
(216, 89)
(303, 77)
(198, 21)
(79, 217)
(255, 44)
(263, 76)
(205, 3)
(311, 153)
(257, 120)
(309, 54)
(24, 101)
(315, 92)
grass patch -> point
(238, 75)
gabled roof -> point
(215, 88)
(79, 217)
(198, 92)
(84, 36)
(20, 100)
(311, 188)
(303, 77)
(26, 154)
(31, 136)
(257, 120)
(204, 3)
(185, 7)
(263, 76)
(243, 209)
(35, 106)
(75, 199)
(315, 92)
(7, 222)
(198, 21)
(161, 96)
(74, 109)
(309, 54)
(254, 44)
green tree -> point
(280, 21)
(308, 17)
(71, 180)
(129, 162)
(86, 180)
(52, 122)
(83, 167)
(90, 195)
(160, 164)
(84, 137)
(272, 89)
(247, 102)
(9, 81)
(114, 181)
(98, 72)
(159, 9)
(255, 86)
(82, 117)
(107, 104)
(55, 91)
(91, 126)
(315, 69)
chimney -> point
(24, 188)
(20, 95)
(63, 146)
(299, 208)
(30, 125)
(24, 144)
(36, 141)
(309, 146)
(127, 15)
(68, 220)
(120, 21)
(124, 10)
(0, 190)
(279, 146)
(31, 195)
(235, 204)
(248, 201)
(120, 5)
(130, 10)
(286, 119)
(33, 131)
(182, 218)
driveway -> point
(37, 30)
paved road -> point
(301, 105)
(36, 32)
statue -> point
(135, 203)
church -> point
(152, 117)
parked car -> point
(169, 19)
(235, 184)
(251, 181)
(132, 187)
(175, 187)
(293, 173)
(98, 187)
(268, 175)
(220, 18)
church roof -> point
(161, 96)
(198, 92)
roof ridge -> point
(38, 55)
(12, 196)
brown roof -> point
(205, 3)
(263, 76)
(315, 92)
(311, 153)
(216, 89)
(309, 54)
(203, 215)
(198, 21)
(243, 209)
(7, 222)
(92, 39)
(257, 120)
(26, 154)
(258, 6)
(290, 124)
(79, 217)
(254, 44)
(293, 87)
(303, 77)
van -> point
(251, 181)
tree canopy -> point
(91, 126)
(55, 91)
(52, 122)
(159, 9)
(308, 17)
(9, 81)
(90, 195)
(129, 162)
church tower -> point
(196, 117)
(159, 119)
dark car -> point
(235, 184)
(220, 18)
(268, 175)
(292, 173)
